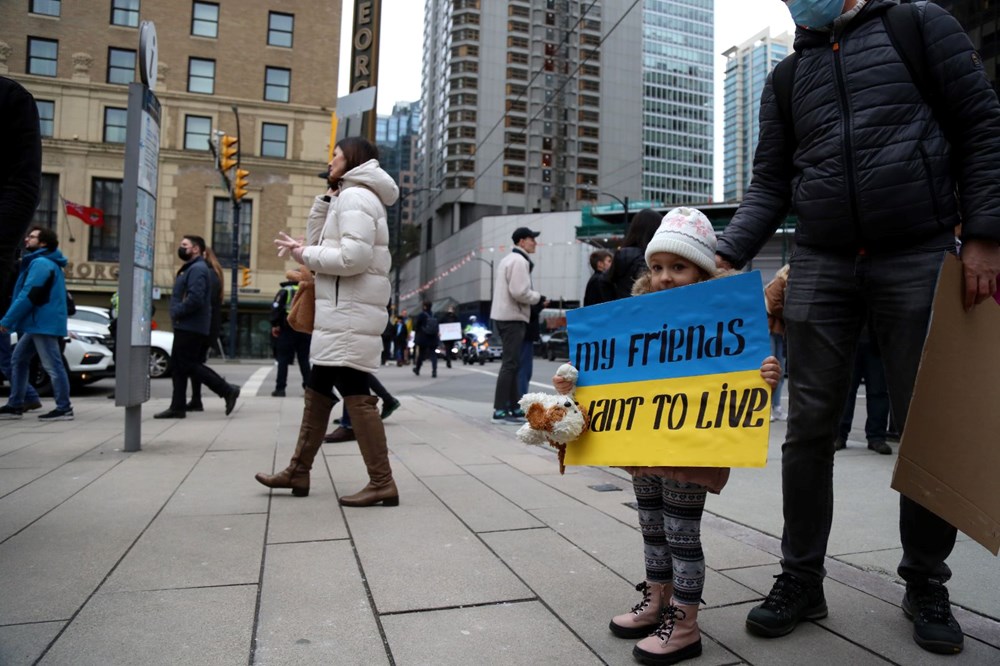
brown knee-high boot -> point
(371, 440)
(315, 415)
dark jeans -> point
(291, 346)
(525, 367)
(511, 337)
(187, 360)
(428, 353)
(868, 365)
(828, 300)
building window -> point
(121, 66)
(125, 12)
(273, 140)
(47, 7)
(197, 131)
(114, 124)
(222, 231)
(279, 29)
(277, 84)
(201, 76)
(106, 194)
(47, 213)
(46, 116)
(205, 19)
(42, 56)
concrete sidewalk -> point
(175, 555)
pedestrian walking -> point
(289, 345)
(427, 337)
(512, 301)
(38, 315)
(215, 280)
(881, 132)
(348, 251)
(344, 432)
(191, 314)
(671, 500)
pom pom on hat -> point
(687, 233)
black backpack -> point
(902, 23)
(431, 325)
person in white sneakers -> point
(38, 315)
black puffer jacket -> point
(872, 168)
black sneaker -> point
(387, 409)
(935, 629)
(879, 446)
(8, 413)
(231, 396)
(789, 602)
(58, 415)
(193, 406)
(499, 416)
(278, 393)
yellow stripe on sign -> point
(718, 420)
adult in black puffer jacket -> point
(875, 181)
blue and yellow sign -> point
(672, 378)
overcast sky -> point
(402, 41)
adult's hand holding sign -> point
(674, 377)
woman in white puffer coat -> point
(348, 250)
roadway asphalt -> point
(175, 555)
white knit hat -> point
(687, 233)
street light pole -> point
(488, 262)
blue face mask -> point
(815, 13)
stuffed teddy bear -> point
(553, 419)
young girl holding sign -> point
(671, 499)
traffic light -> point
(244, 276)
(228, 152)
(240, 184)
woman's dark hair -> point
(641, 229)
(357, 151)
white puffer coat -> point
(349, 252)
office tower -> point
(396, 137)
(677, 100)
(276, 62)
(528, 105)
(747, 67)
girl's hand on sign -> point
(770, 371)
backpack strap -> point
(782, 80)
(902, 24)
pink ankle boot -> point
(645, 615)
(676, 639)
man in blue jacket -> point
(38, 315)
(880, 156)
(191, 314)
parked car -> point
(557, 345)
(161, 343)
(86, 357)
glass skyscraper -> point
(677, 98)
(747, 67)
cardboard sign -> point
(672, 378)
(450, 331)
(948, 457)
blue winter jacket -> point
(871, 167)
(49, 318)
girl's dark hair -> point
(357, 150)
(641, 229)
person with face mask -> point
(191, 314)
(879, 164)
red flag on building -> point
(92, 216)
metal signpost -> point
(138, 233)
